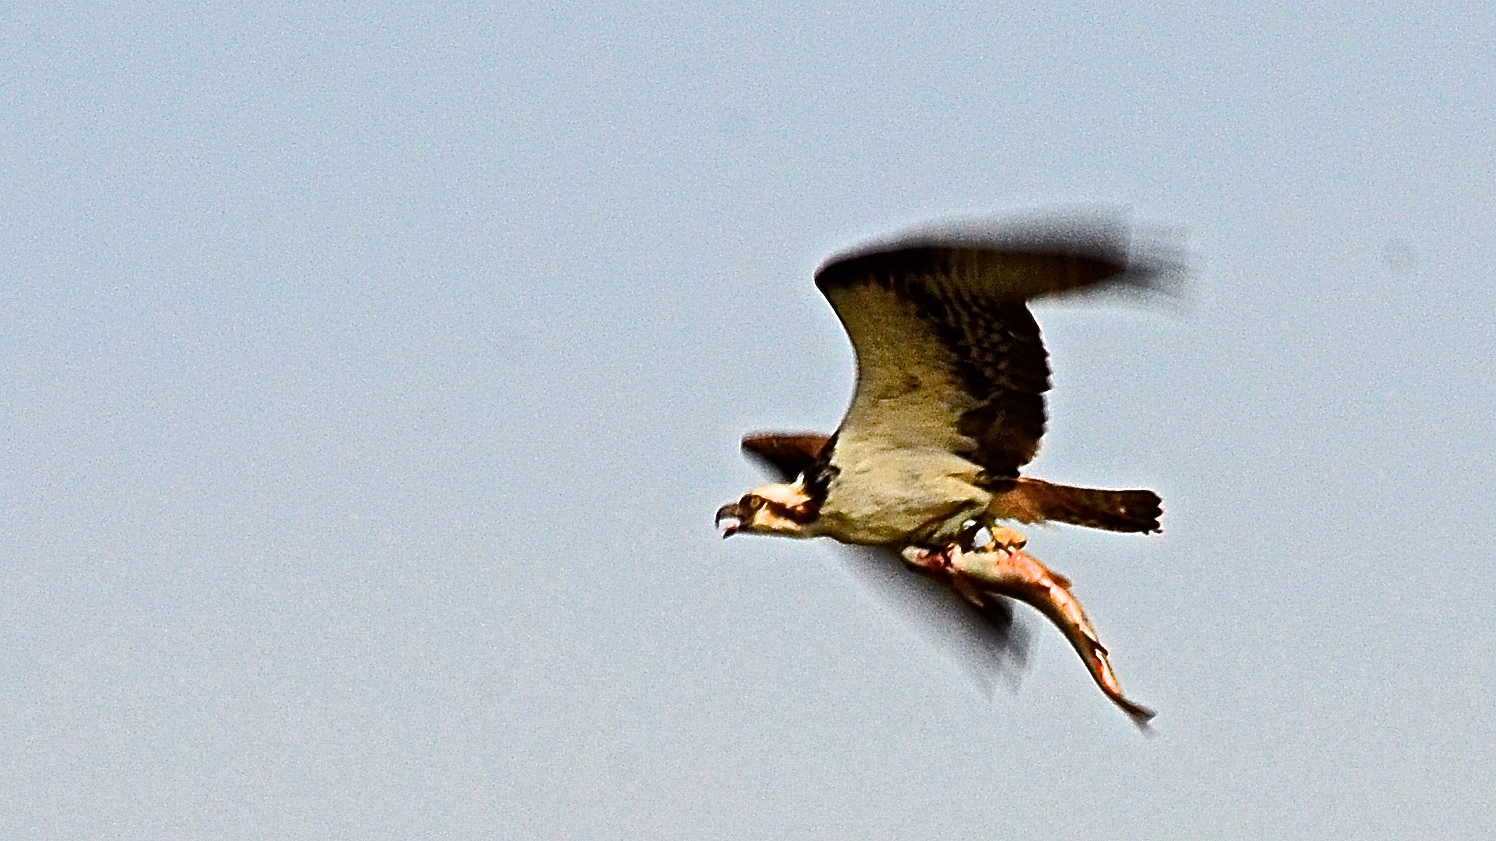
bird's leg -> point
(1016, 575)
(982, 535)
(1003, 540)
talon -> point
(984, 537)
(1006, 540)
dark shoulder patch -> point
(820, 474)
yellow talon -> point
(1005, 540)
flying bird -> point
(948, 407)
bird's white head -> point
(770, 509)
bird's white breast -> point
(885, 496)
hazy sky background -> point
(369, 376)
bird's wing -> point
(989, 642)
(787, 453)
(948, 356)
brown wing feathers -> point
(972, 294)
(788, 454)
(999, 355)
(1036, 501)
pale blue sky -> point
(372, 373)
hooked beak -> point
(729, 519)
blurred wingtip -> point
(1153, 260)
(990, 644)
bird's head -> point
(771, 509)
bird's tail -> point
(1036, 501)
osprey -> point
(949, 405)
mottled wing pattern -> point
(948, 355)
